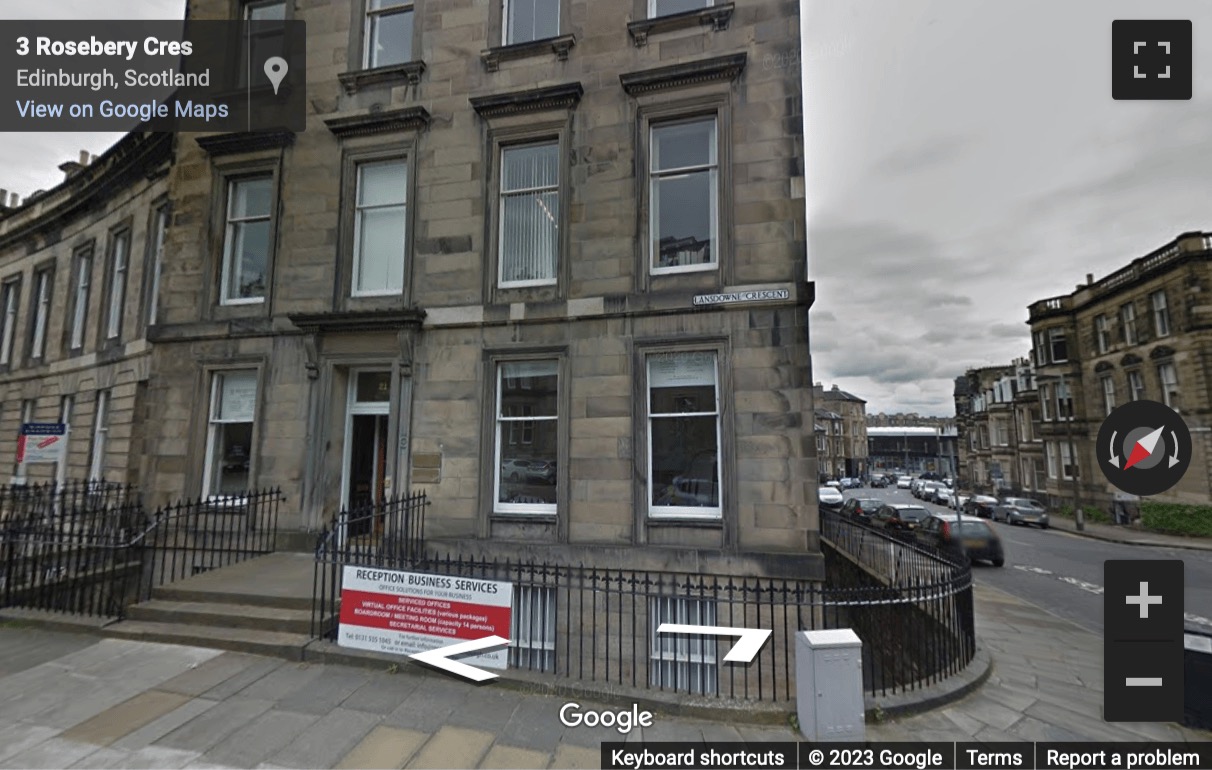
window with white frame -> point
(1069, 460)
(1136, 385)
(529, 20)
(1058, 346)
(1102, 333)
(388, 35)
(1041, 348)
(66, 405)
(683, 434)
(528, 242)
(118, 265)
(1050, 452)
(683, 662)
(265, 38)
(1035, 433)
(1108, 394)
(684, 195)
(1045, 402)
(233, 407)
(1127, 323)
(1064, 401)
(96, 464)
(380, 228)
(1167, 377)
(246, 240)
(527, 436)
(159, 233)
(1161, 313)
(11, 298)
(27, 416)
(658, 8)
(42, 300)
(1026, 472)
(532, 632)
(80, 298)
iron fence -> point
(91, 548)
(600, 625)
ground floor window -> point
(527, 436)
(683, 662)
(96, 463)
(229, 441)
(1069, 460)
(683, 434)
(532, 633)
(1050, 451)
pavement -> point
(70, 700)
(1130, 535)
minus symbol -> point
(1143, 681)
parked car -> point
(541, 471)
(837, 485)
(915, 486)
(900, 516)
(971, 537)
(942, 496)
(830, 499)
(980, 505)
(861, 507)
(904, 482)
(1021, 510)
(926, 490)
(878, 482)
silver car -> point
(1021, 510)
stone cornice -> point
(682, 75)
(560, 46)
(381, 122)
(408, 72)
(715, 16)
(358, 321)
(244, 141)
(562, 97)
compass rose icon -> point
(1144, 447)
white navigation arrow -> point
(440, 658)
(1174, 457)
(744, 651)
(1114, 457)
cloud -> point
(923, 156)
(952, 299)
(1010, 331)
(886, 366)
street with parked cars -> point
(1016, 546)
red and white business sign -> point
(411, 612)
(41, 442)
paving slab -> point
(16, 737)
(329, 738)
(22, 648)
(452, 747)
(212, 726)
(323, 693)
(382, 694)
(50, 755)
(150, 758)
(234, 684)
(126, 717)
(384, 748)
(158, 728)
(570, 757)
(260, 739)
(512, 758)
(282, 682)
(206, 676)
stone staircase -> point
(261, 606)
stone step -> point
(226, 615)
(176, 592)
(268, 643)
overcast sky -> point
(965, 158)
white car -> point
(942, 496)
(830, 498)
(903, 482)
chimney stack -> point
(14, 201)
(84, 158)
(1089, 279)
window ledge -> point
(560, 46)
(217, 145)
(383, 121)
(408, 72)
(681, 75)
(564, 96)
(516, 516)
(683, 520)
(716, 16)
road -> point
(1063, 572)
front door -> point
(365, 481)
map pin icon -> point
(275, 70)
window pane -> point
(524, 168)
(381, 249)
(529, 388)
(250, 253)
(250, 198)
(382, 184)
(528, 469)
(230, 462)
(684, 213)
(682, 145)
(529, 236)
(237, 397)
(667, 7)
(390, 39)
(267, 12)
(532, 20)
(373, 387)
(685, 470)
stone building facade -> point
(1143, 332)
(854, 426)
(546, 266)
(78, 273)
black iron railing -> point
(599, 625)
(389, 534)
(91, 548)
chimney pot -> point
(84, 158)
(1089, 278)
(92, 159)
(14, 201)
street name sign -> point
(757, 295)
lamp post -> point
(1079, 519)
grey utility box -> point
(829, 685)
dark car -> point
(980, 505)
(878, 482)
(901, 517)
(970, 537)
(1021, 510)
(861, 507)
